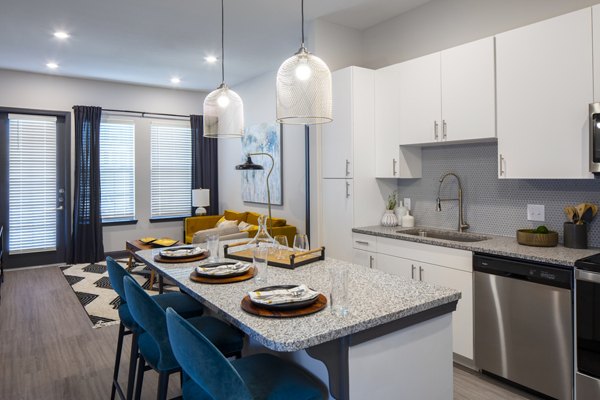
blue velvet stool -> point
(153, 343)
(187, 306)
(209, 376)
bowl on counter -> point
(529, 237)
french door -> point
(35, 186)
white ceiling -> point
(149, 41)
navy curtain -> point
(205, 165)
(87, 221)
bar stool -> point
(127, 326)
(209, 376)
(153, 343)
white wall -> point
(337, 45)
(441, 24)
(259, 106)
(48, 92)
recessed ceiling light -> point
(61, 35)
(175, 80)
(52, 65)
(210, 59)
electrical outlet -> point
(536, 212)
(407, 203)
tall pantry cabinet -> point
(350, 193)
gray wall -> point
(492, 205)
(442, 24)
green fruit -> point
(541, 229)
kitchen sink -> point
(444, 235)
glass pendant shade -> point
(304, 90)
(223, 114)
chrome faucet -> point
(462, 225)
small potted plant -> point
(389, 218)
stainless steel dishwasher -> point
(524, 323)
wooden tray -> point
(292, 260)
(317, 306)
(203, 279)
(170, 260)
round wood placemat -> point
(162, 259)
(317, 306)
(203, 279)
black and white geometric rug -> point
(92, 287)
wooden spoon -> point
(580, 210)
(570, 212)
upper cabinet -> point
(468, 92)
(544, 86)
(391, 160)
(448, 96)
(596, 51)
(419, 100)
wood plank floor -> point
(49, 350)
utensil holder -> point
(575, 236)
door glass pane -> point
(32, 184)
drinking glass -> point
(260, 260)
(301, 242)
(212, 245)
(338, 296)
(282, 246)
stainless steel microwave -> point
(595, 138)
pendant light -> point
(303, 88)
(223, 108)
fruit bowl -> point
(531, 237)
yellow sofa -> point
(200, 223)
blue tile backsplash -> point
(492, 205)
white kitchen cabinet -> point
(439, 266)
(337, 218)
(364, 258)
(419, 100)
(355, 201)
(596, 51)
(337, 135)
(448, 96)
(544, 86)
(392, 161)
(468, 92)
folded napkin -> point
(282, 296)
(224, 270)
(183, 252)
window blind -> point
(117, 170)
(171, 170)
(32, 184)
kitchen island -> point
(395, 342)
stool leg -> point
(140, 377)
(152, 279)
(163, 385)
(132, 359)
(130, 263)
(117, 360)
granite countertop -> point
(375, 298)
(498, 245)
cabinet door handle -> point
(444, 129)
(435, 130)
(347, 190)
(501, 165)
(394, 166)
(347, 168)
(361, 242)
(371, 259)
(412, 271)
(420, 273)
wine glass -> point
(301, 242)
(282, 245)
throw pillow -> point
(224, 222)
(245, 227)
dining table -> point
(394, 342)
